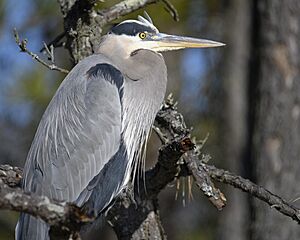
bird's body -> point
(90, 139)
(66, 163)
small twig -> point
(295, 200)
(171, 9)
(23, 47)
(50, 52)
(55, 42)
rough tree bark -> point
(275, 97)
(83, 24)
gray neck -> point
(143, 97)
(144, 89)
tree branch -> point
(171, 9)
(56, 42)
(65, 219)
(121, 9)
(172, 123)
(23, 47)
(203, 181)
(140, 211)
(254, 190)
(56, 214)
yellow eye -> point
(142, 35)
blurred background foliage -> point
(209, 85)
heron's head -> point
(132, 35)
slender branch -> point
(50, 52)
(23, 47)
(55, 42)
(171, 9)
(259, 192)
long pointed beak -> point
(165, 42)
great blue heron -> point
(90, 139)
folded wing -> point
(78, 134)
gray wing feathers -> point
(39, 231)
(78, 134)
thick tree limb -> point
(64, 218)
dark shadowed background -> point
(221, 92)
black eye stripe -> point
(131, 29)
